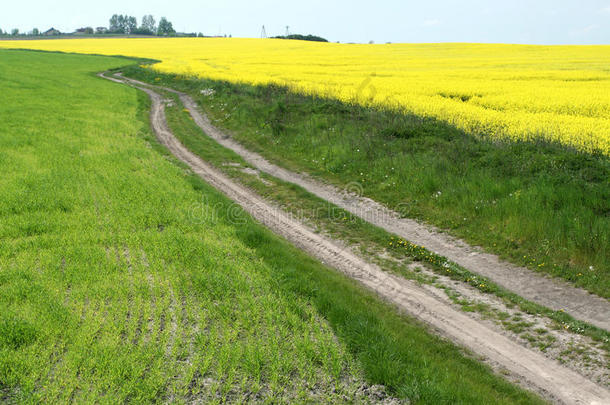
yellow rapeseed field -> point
(516, 91)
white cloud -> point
(431, 23)
(590, 28)
(605, 10)
(584, 31)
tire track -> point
(544, 290)
(532, 369)
(153, 319)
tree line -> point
(118, 24)
(300, 37)
(124, 24)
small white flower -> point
(208, 92)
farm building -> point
(51, 31)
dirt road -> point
(550, 292)
(532, 369)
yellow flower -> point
(559, 93)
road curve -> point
(550, 292)
(537, 372)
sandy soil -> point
(531, 369)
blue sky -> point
(516, 21)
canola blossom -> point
(558, 93)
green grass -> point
(537, 204)
(114, 287)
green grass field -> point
(112, 289)
(537, 204)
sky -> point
(491, 21)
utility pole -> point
(263, 32)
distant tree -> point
(122, 24)
(15, 32)
(149, 24)
(101, 30)
(142, 31)
(165, 27)
(1, 32)
(131, 24)
(114, 25)
(36, 32)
